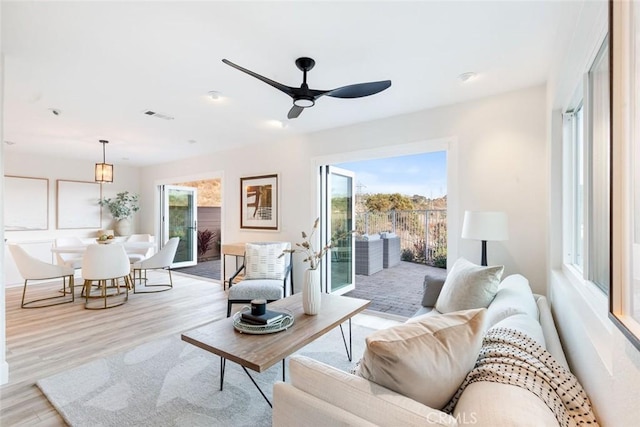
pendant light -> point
(104, 171)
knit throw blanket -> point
(510, 357)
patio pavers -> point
(396, 290)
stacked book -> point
(267, 318)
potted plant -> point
(122, 208)
(311, 286)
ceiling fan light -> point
(304, 102)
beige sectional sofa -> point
(320, 395)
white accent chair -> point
(31, 268)
(267, 270)
(162, 260)
(70, 260)
(107, 265)
(136, 255)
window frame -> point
(574, 161)
(624, 137)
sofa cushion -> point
(432, 286)
(514, 296)
(488, 404)
(468, 286)
(372, 402)
(525, 324)
(427, 358)
(263, 261)
(291, 407)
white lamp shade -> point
(485, 226)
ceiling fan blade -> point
(294, 112)
(286, 89)
(359, 90)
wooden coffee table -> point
(260, 352)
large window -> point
(587, 162)
(625, 124)
(598, 160)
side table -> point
(232, 249)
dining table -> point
(129, 247)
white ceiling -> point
(102, 64)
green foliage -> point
(340, 204)
(313, 256)
(415, 253)
(388, 202)
(124, 205)
(440, 258)
(407, 255)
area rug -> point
(168, 382)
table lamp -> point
(485, 226)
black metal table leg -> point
(257, 386)
(223, 362)
(349, 349)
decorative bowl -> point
(105, 242)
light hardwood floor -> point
(45, 341)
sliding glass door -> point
(338, 207)
(179, 219)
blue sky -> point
(423, 174)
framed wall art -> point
(78, 204)
(26, 203)
(259, 202)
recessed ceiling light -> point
(277, 124)
(465, 77)
(214, 94)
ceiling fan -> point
(303, 97)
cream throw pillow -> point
(426, 359)
(263, 261)
(468, 286)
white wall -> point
(501, 166)
(605, 362)
(37, 241)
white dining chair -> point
(68, 259)
(162, 260)
(107, 265)
(31, 268)
(136, 254)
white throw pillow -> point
(426, 359)
(468, 286)
(263, 261)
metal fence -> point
(423, 233)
